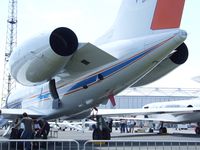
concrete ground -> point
(188, 134)
(140, 139)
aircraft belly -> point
(94, 94)
(95, 87)
(76, 77)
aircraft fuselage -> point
(77, 97)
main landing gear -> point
(162, 130)
(101, 130)
(197, 129)
(54, 94)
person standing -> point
(132, 125)
(28, 129)
(44, 128)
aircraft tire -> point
(163, 130)
(101, 135)
(106, 134)
(197, 130)
(150, 130)
(96, 135)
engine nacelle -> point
(175, 59)
(42, 57)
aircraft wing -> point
(86, 58)
(161, 118)
(14, 113)
(158, 114)
(135, 112)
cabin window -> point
(100, 76)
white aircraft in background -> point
(65, 77)
(181, 111)
(66, 124)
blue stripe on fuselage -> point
(110, 71)
(122, 65)
(84, 82)
(91, 79)
(43, 96)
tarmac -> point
(188, 134)
(138, 137)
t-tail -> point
(143, 17)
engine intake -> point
(181, 55)
(40, 58)
(175, 59)
(63, 41)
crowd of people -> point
(29, 128)
(127, 126)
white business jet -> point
(65, 77)
(181, 111)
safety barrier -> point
(39, 144)
(141, 145)
(53, 133)
(67, 144)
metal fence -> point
(141, 145)
(65, 144)
(37, 144)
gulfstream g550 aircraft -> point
(65, 77)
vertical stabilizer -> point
(167, 14)
(142, 17)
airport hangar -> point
(140, 96)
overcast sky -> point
(89, 19)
